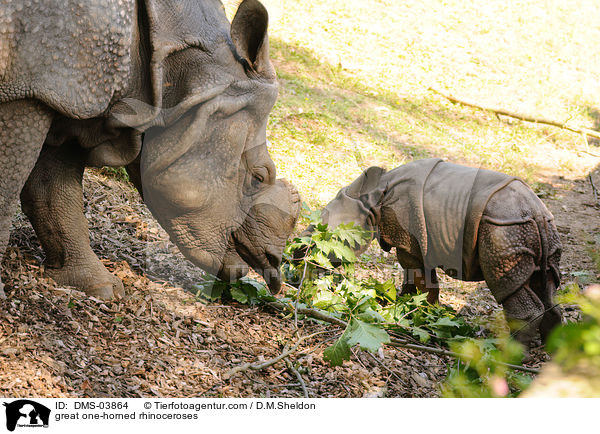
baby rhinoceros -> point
(474, 224)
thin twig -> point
(520, 116)
(298, 292)
(358, 359)
(291, 367)
(591, 153)
(300, 284)
(271, 362)
(594, 189)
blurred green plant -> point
(481, 370)
(577, 344)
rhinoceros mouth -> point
(233, 267)
(267, 264)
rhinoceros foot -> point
(92, 278)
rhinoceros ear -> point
(249, 36)
(367, 187)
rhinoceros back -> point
(454, 198)
(74, 55)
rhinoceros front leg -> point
(24, 125)
(415, 277)
(52, 198)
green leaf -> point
(387, 289)
(338, 352)
(349, 234)
(239, 295)
(363, 300)
(322, 260)
(254, 283)
(326, 246)
(325, 299)
(368, 336)
(321, 227)
(371, 315)
(422, 334)
(343, 252)
(210, 289)
(445, 321)
(420, 299)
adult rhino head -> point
(204, 168)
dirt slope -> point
(160, 341)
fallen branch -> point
(314, 313)
(271, 362)
(394, 342)
(441, 352)
(291, 367)
(520, 116)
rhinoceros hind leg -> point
(52, 198)
(552, 316)
(547, 290)
(24, 125)
(524, 312)
(507, 259)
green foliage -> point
(572, 346)
(478, 374)
(118, 173)
(368, 336)
(412, 314)
(325, 245)
(578, 343)
(338, 352)
(322, 266)
(245, 291)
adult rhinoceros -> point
(168, 88)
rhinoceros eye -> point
(260, 174)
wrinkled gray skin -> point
(496, 226)
(261, 239)
(169, 89)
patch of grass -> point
(118, 173)
(325, 129)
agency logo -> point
(24, 413)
